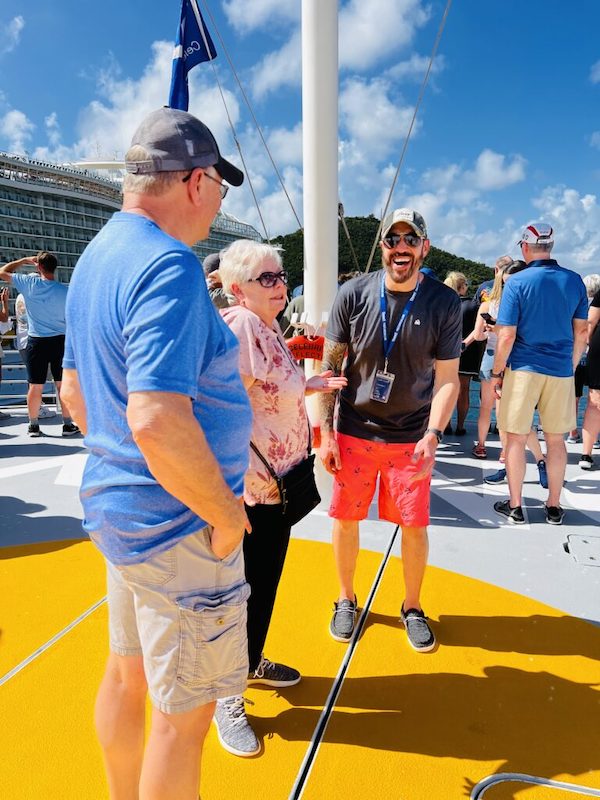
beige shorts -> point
(522, 391)
(184, 611)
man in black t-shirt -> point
(401, 333)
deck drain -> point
(584, 549)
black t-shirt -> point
(593, 355)
(431, 331)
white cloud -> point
(247, 16)
(595, 72)
(415, 68)
(16, 130)
(11, 36)
(374, 121)
(53, 129)
(595, 140)
(286, 145)
(492, 171)
(280, 68)
(369, 32)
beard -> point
(402, 274)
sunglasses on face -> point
(393, 240)
(269, 279)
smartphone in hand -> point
(488, 318)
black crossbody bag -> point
(297, 488)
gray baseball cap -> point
(408, 215)
(176, 140)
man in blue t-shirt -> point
(45, 298)
(541, 328)
(151, 373)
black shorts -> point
(580, 379)
(41, 352)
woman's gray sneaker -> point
(419, 634)
(233, 729)
(343, 621)
(270, 673)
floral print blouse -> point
(280, 425)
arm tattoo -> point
(333, 357)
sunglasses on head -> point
(393, 239)
(269, 279)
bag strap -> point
(265, 462)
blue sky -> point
(509, 131)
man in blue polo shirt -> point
(45, 298)
(151, 372)
(541, 328)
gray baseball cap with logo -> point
(177, 141)
(408, 215)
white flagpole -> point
(320, 155)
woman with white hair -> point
(253, 278)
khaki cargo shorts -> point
(184, 611)
(522, 391)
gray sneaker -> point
(270, 673)
(419, 634)
(343, 621)
(233, 729)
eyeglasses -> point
(269, 279)
(393, 239)
(223, 187)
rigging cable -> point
(250, 109)
(412, 122)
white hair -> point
(153, 183)
(592, 284)
(241, 258)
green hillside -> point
(362, 233)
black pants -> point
(264, 553)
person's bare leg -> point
(34, 399)
(590, 428)
(515, 466)
(415, 550)
(345, 550)
(556, 464)
(120, 717)
(462, 404)
(533, 444)
(485, 412)
(171, 769)
(575, 432)
(66, 414)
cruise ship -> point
(46, 206)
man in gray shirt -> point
(401, 333)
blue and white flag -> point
(192, 46)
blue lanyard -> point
(388, 345)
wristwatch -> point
(436, 433)
(497, 374)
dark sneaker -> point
(343, 621)
(448, 429)
(496, 477)
(4, 415)
(33, 429)
(461, 431)
(515, 515)
(419, 634)
(541, 465)
(233, 729)
(70, 429)
(554, 515)
(586, 462)
(272, 674)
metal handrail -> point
(506, 777)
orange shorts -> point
(400, 501)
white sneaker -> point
(46, 412)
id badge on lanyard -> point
(384, 380)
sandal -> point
(479, 451)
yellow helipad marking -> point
(47, 740)
(44, 588)
(513, 687)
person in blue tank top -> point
(541, 329)
(151, 373)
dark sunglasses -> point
(269, 279)
(393, 239)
